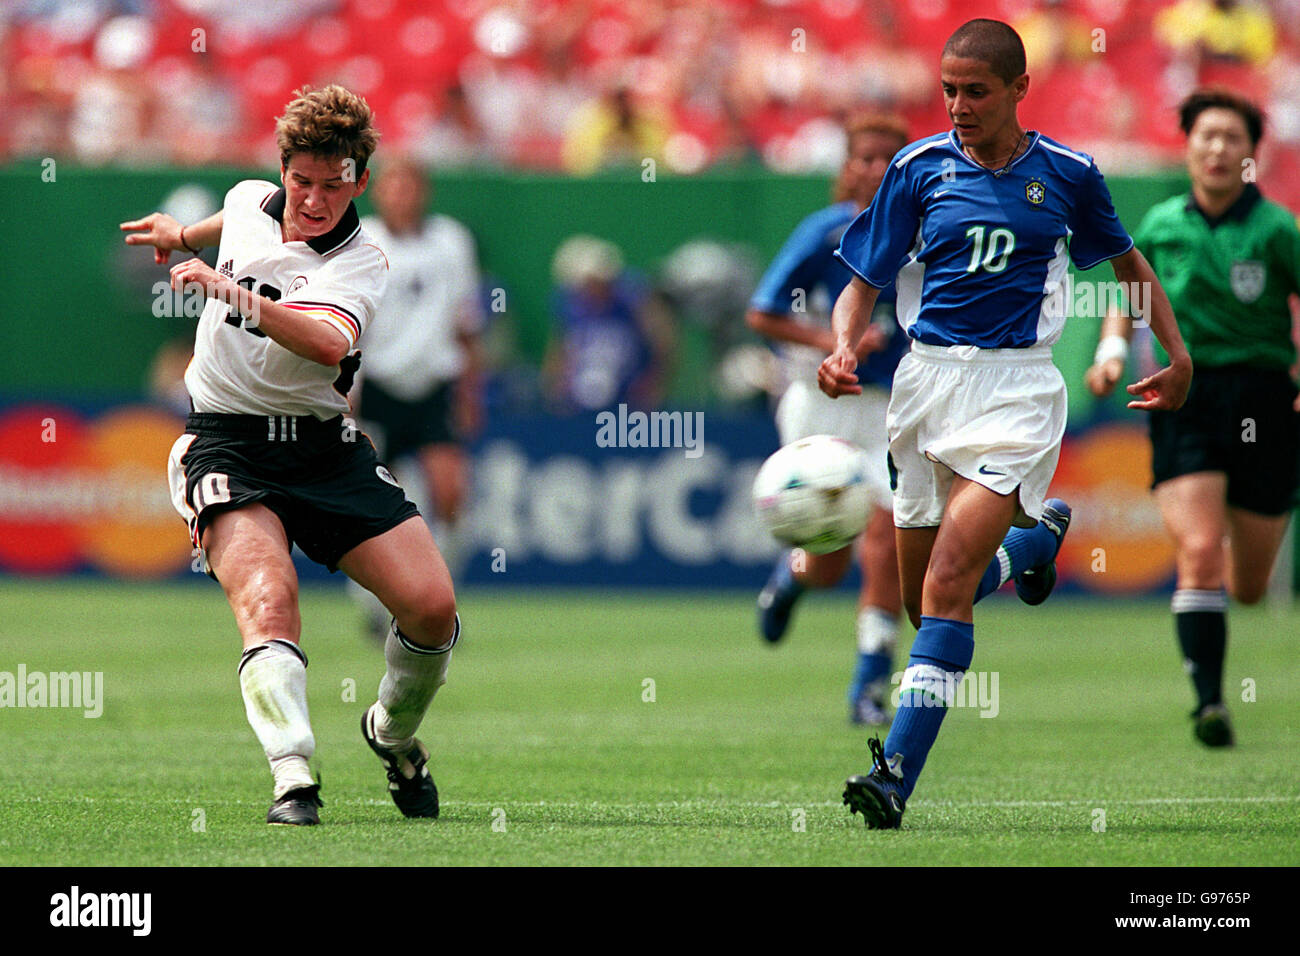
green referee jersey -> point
(1228, 279)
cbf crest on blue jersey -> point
(978, 256)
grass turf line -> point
(740, 758)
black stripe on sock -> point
(248, 655)
(252, 652)
(414, 648)
(302, 655)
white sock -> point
(273, 678)
(412, 677)
(877, 631)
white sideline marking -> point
(688, 804)
(723, 804)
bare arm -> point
(1112, 352)
(166, 235)
(206, 232)
(1166, 390)
(786, 328)
(301, 334)
(849, 321)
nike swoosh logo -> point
(939, 192)
(985, 470)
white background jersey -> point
(433, 291)
(337, 278)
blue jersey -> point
(605, 348)
(807, 263)
(978, 256)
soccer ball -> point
(813, 493)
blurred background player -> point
(612, 342)
(420, 397)
(792, 306)
(1225, 464)
(975, 223)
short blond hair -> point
(330, 122)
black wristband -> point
(187, 245)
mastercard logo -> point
(1117, 542)
(78, 491)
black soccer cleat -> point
(868, 709)
(879, 795)
(1034, 585)
(1212, 727)
(409, 781)
(777, 599)
(297, 808)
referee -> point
(268, 460)
(1225, 464)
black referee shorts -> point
(321, 478)
(1238, 420)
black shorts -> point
(323, 480)
(402, 427)
(1238, 420)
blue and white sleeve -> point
(878, 242)
(1096, 234)
(793, 268)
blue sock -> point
(785, 580)
(1021, 549)
(871, 668)
(941, 653)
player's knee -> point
(271, 611)
(1200, 562)
(949, 581)
(431, 620)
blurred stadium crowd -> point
(581, 85)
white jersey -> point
(432, 296)
(337, 278)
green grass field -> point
(542, 729)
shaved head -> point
(991, 42)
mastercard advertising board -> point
(86, 492)
(83, 492)
(1117, 542)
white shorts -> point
(805, 410)
(993, 416)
